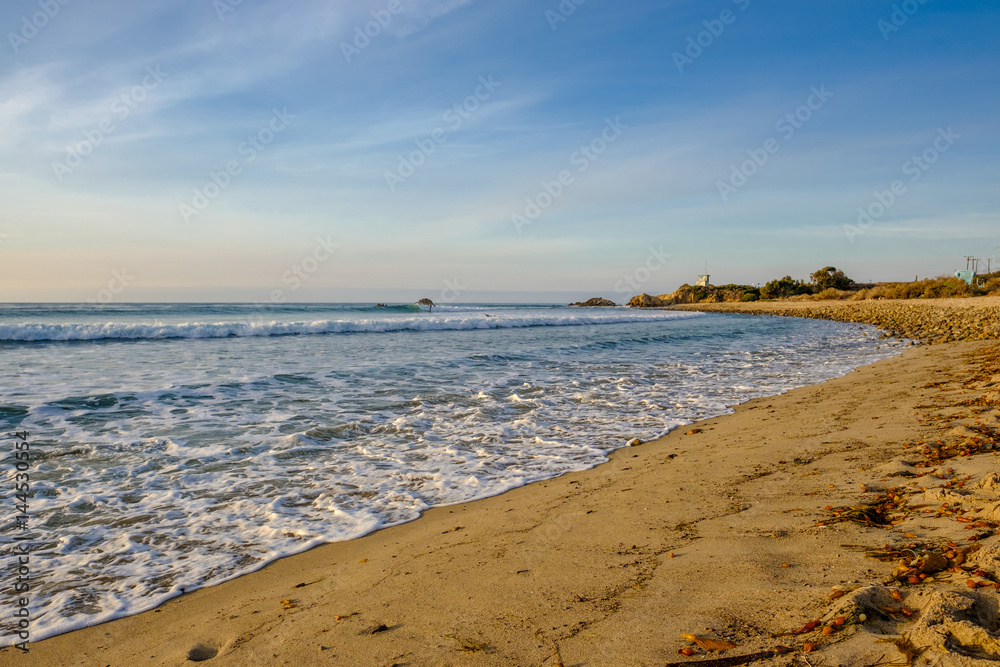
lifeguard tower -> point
(971, 270)
(967, 276)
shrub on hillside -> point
(784, 288)
(737, 292)
(946, 288)
(833, 294)
(992, 286)
(709, 294)
(831, 277)
(931, 288)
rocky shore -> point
(930, 321)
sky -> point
(463, 150)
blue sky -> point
(666, 122)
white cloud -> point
(418, 14)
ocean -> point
(174, 446)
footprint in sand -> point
(201, 653)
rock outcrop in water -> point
(647, 301)
(595, 302)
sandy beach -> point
(738, 529)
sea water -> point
(174, 446)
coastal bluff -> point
(690, 294)
(648, 301)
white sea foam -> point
(254, 327)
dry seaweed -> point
(984, 440)
(918, 563)
(884, 510)
(470, 645)
(735, 660)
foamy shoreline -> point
(581, 562)
(155, 477)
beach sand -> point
(713, 530)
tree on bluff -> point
(831, 277)
(784, 288)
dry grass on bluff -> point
(931, 288)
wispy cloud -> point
(355, 119)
